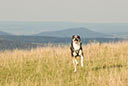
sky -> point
(65, 10)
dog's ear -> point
(73, 36)
(78, 36)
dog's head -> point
(76, 39)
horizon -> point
(57, 21)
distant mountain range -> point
(4, 33)
(83, 32)
(27, 35)
(7, 42)
(28, 42)
(29, 28)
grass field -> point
(104, 65)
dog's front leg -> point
(82, 60)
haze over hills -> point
(83, 32)
(8, 41)
(29, 28)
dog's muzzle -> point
(76, 39)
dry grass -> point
(105, 65)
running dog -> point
(76, 50)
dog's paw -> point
(82, 65)
(75, 70)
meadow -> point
(105, 64)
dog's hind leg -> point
(74, 63)
(82, 60)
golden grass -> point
(104, 65)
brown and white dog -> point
(76, 50)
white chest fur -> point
(76, 46)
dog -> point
(76, 51)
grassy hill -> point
(105, 65)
